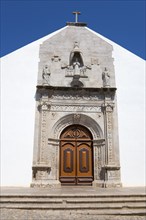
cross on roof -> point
(76, 13)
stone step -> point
(76, 196)
(100, 204)
(66, 205)
(86, 204)
(71, 200)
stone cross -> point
(76, 13)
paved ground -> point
(72, 190)
(37, 215)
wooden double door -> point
(76, 156)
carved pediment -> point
(76, 132)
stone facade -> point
(76, 85)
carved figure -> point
(76, 66)
(106, 78)
(46, 75)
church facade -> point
(76, 126)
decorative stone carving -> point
(85, 120)
(82, 95)
(43, 105)
(76, 70)
(59, 128)
(72, 94)
(55, 58)
(76, 46)
(46, 75)
(43, 136)
(106, 78)
(78, 108)
(100, 174)
(110, 137)
(108, 117)
(76, 118)
(94, 61)
(76, 67)
(109, 108)
(96, 163)
(75, 97)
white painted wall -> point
(18, 84)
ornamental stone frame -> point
(80, 96)
(98, 140)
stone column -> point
(53, 145)
(109, 134)
(99, 154)
(42, 169)
(44, 107)
(111, 169)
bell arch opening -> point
(76, 57)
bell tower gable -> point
(75, 52)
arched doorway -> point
(76, 156)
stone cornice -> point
(101, 89)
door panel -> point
(76, 162)
(84, 164)
(68, 163)
(84, 160)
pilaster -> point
(111, 169)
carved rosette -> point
(43, 107)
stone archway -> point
(80, 119)
(98, 143)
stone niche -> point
(76, 87)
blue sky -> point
(25, 21)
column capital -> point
(43, 105)
(108, 107)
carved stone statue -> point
(76, 66)
(46, 75)
(106, 78)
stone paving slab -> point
(73, 191)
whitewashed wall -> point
(18, 85)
